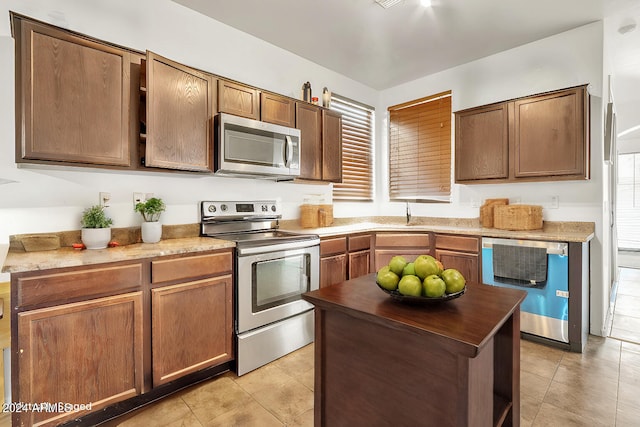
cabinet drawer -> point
(334, 245)
(79, 283)
(358, 243)
(458, 243)
(402, 240)
(168, 270)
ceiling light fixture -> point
(387, 3)
(425, 3)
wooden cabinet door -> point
(482, 143)
(465, 263)
(238, 99)
(333, 270)
(331, 146)
(179, 116)
(550, 135)
(192, 327)
(80, 353)
(309, 121)
(383, 256)
(359, 263)
(277, 109)
(74, 96)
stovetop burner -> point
(246, 223)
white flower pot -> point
(96, 238)
(151, 232)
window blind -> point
(420, 149)
(357, 150)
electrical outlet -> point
(555, 201)
(138, 198)
(105, 199)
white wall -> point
(51, 199)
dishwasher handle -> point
(553, 248)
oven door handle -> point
(284, 246)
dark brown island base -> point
(382, 362)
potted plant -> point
(96, 231)
(150, 211)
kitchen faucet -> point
(408, 214)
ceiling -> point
(382, 48)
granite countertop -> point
(551, 231)
(183, 239)
(68, 257)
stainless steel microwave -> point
(250, 148)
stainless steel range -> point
(272, 269)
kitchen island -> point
(381, 362)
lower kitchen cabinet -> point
(359, 255)
(192, 291)
(409, 245)
(192, 327)
(333, 260)
(101, 334)
(344, 257)
(89, 352)
(461, 253)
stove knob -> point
(273, 208)
(223, 207)
(212, 208)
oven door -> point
(271, 280)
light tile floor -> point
(599, 387)
(626, 315)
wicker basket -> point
(517, 217)
(486, 211)
(314, 216)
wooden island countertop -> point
(382, 362)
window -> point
(628, 201)
(357, 150)
(420, 149)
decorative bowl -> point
(407, 299)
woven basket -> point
(314, 216)
(486, 211)
(309, 216)
(517, 217)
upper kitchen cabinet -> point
(331, 146)
(277, 109)
(238, 99)
(309, 121)
(180, 102)
(550, 137)
(482, 142)
(320, 142)
(73, 98)
(537, 138)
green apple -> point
(410, 285)
(397, 263)
(433, 286)
(454, 280)
(409, 269)
(426, 265)
(387, 278)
